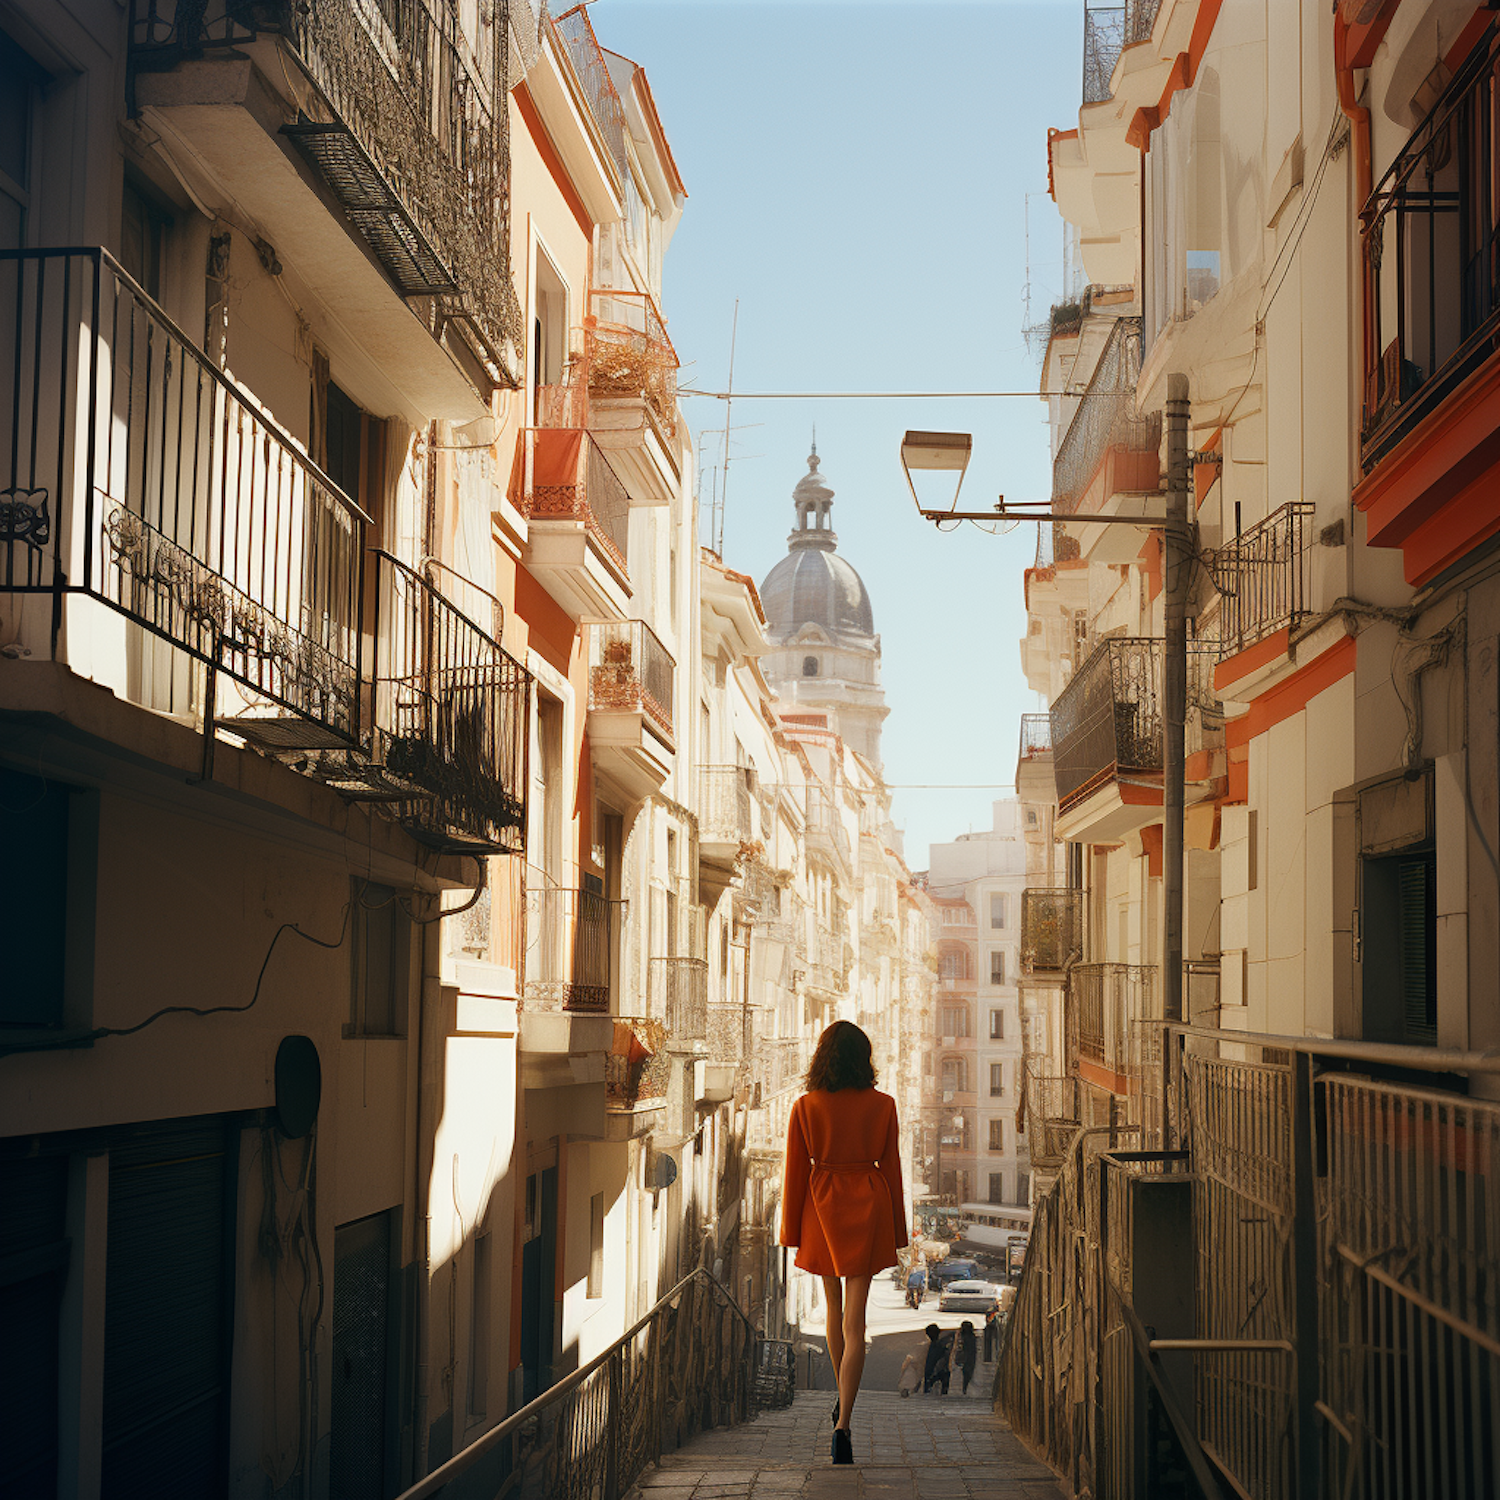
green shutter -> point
(1418, 992)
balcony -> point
(1109, 460)
(400, 111)
(571, 941)
(1106, 1005)
(631, 688)
(637, 1073)
(1051, 929)
(578, 519)
(679, 996)
(1261, 576)
(447, 728)
(631, 369)
(160, 535)
(824, 831)
(779, 1064)
(1053, 1118)
(1035, 781)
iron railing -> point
(1103, 41)
(1108, 718)
(137, 474)
(1430, 239)
(1261, 577)
(638, 1068)
(408, 126)
(728, 1030)
(587, 57)
(679, 996)
(1106, 420)
(1036, 735)
(1105, 1003)
(724, 804)
(1140, 18)
(630, 669)
(570, 946)
(825, 824)
(448, 722)
(561, 474)
(627, 352)
(1051, 928)
(695, 1361)
(1053, 1117)
(780, 1063)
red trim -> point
(1138, 796)
(1243, 663)
(1052, 136)
(1199, 766)
(1116, 1083)
(550, 159)
(1151, 836)
(1150, 555)
(1364, 36)
(549, 631)
(1183, 75)
(1288, 698)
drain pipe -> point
(1174, 688)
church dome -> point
(812, 584)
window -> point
(1023, 1187)
(955, 1074)
(549, 334)
(997, 1187)
(19, 77)
(809, 666)
(596, 1245)
(382, 961)
(955, 1020)
(1399, 948)
(997, 966)
(997, 1025)
(143, 228)
(997, 1135)
(998, 909)
(997, 1080)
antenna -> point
(734, 331)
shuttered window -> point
(361, 1358)
(1415, 884)
(168, 1312)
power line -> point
(873, 395)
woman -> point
(966, 1352)
(842, 1202)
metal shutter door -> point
(361, 1306)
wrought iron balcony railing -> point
(587, 57)
(1105, 1005)
(1103, 41)
(571, 937)
(1261, 576)
(1430, 237)
(1107, 420)
(627, 352)
(724, 805)
(561, 474)
(780, 1063)
(447, 723)
(1036, 735)
(638, 1068)
(728, 1032)
(1051, 928)
(135, 473)
(406, 122)
(630, 669)
(1108, 718)
(679, 996)
(1053, 1117)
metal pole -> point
(1174, 687)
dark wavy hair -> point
(842, 1059)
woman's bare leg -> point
(833, 1305)
(852, 1366)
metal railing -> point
(587, 57)
(408, 126)
(1105, 1002)
(630, 669)
(135, 473)
(1108, 718)
(1140, 18)
(679, 996)
(1106, 419)
(627, 352)
(563, 475)
(448, 722)
(724, 804)
(1430, 236)
(1051, 928)
(825, 823)
(1053, 1117)
(1103, 41)
(780, 1064)
(1261, 576)
(638, 1068)
(1036, 735)
(570, 942)
(695, 1361)
(728, 1030)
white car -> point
(969, 1296)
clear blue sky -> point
(857, 176)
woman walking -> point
(842, 1202)
(966, 1352)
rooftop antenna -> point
(728, 408)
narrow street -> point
(904, 1447)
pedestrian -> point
(912, 1369)
(916, 1286)
(992, 1333)
(967, 1352)
(938, 1366)
(842, 1202)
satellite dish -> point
(661, 1172)
(299, 1086)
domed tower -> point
(824, 650)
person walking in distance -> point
(939, 1365)
(991, 1333)
(842, 1202)
(967, 1352)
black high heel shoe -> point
(843, 1446)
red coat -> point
(841, 1201)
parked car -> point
(969, 1296)
(945, 1271)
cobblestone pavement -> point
(921, 1448)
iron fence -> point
(1108, 718)
(627, 352)
(1036, 735)
(638, 1067)
(1105, 1002)
(1140, 17)
(561, 474)
(1051, 928)
(1103, 41)
(679, 996)
(724, 803)
(692, 1363)
(1053, 1116)
(728, 1030)
(630, 669)
(1262, 579)
(587, 57)
(571, 938)
(1107, 418)
(408, 126)
(1430, 240)
(139, 475)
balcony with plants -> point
(1051, 930)
(637, 1075)
(632, 683)
(401, 228)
